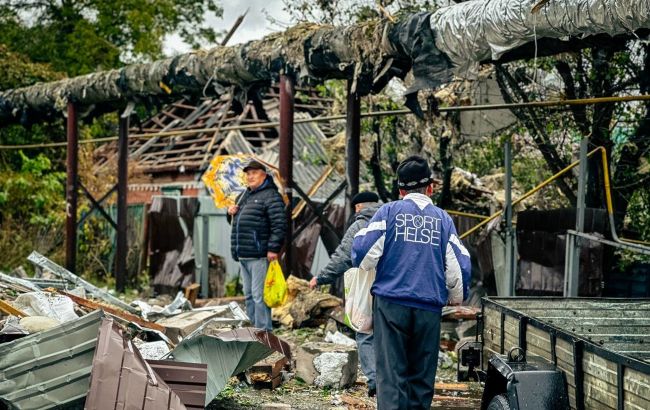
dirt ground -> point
(295, 394)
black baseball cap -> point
(254, 164)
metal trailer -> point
(578, 353)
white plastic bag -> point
(358, 300)
(59, 307)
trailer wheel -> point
(499, 402)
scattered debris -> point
(340, 339)
(120, 377)
(152, 350)
(267, 374)
(180, 326)
(7, 308)
(228, 352)
(44, 263)
(187, 380)
(113, 311)
(326, 364)
(50, 368)
(304, 306)
(33, 324)
(58, 307)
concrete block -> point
(327, 365)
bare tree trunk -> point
(536, 128)
(626, 179)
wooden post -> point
(286, 156)
(71, 190)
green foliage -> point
(342, 12)
(33, 194)
(79, 37)
(18, 71)
(481, 160)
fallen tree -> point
(434, 46)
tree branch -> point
(534, 124)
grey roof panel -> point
(50, 368)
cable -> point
(273, 124)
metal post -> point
(286, 156)
(122, 180)
(510, 254)
(205, 260)
(71, 191)
(572, 280)
(352, 144)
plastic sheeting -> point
(479, 30)
(57, 307)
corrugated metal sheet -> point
(228, 353)
(310, 158)
(236, 143)
(51, 368)
(121, 378)
(187, 380)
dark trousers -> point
(407, 341)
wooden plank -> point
(7, 308)
(191, 292)
(599, 367)
(637, 389)
(452, 386)
(90, 304)
(600, 391)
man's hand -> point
(271, 256)
(233, 209)
(313, 283)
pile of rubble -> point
(65, 342)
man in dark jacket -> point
(365, 204)
(258, 232)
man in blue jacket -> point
(421, 266)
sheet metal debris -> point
(113, 311)
(121, 378)
(44, 263)
(51, 368)
(187, 380)
(20, 282)
(228, 353)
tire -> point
(499, 402)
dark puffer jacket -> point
(260, 225)
(341, 259)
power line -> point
(273, 124)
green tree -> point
(78, 37)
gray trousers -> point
(406, 349)
(367, 357)
(253, 274)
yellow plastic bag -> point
(275, 287)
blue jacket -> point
(414, 247)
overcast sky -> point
(255, 25)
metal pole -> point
(205, 261)
(573, 275)
(71, 191)
(122, 188)
(510, 257)
(286, 156)
(352, 146)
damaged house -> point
(174, 227)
